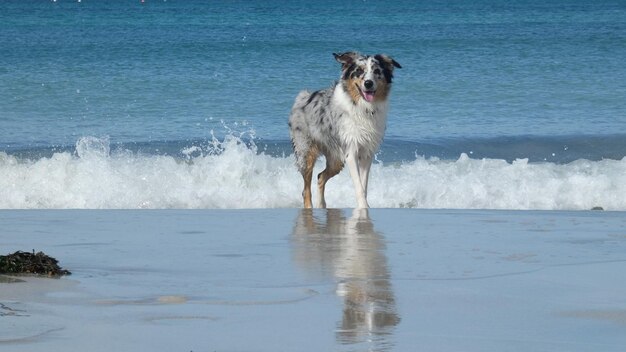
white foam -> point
(231, 174)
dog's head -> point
(366, 77)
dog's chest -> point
(363, 127)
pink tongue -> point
(368, 96)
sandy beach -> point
(295, 280)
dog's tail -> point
(301, 100)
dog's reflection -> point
(350, 251)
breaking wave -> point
(234, 173)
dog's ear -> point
(387, 61)
(387, 64)
(347, 58)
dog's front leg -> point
(353, 165)
(365, 163)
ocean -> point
(184, 104)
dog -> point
(345, 123)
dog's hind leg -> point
(307, 175)
(332, 168)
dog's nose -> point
(368, 84)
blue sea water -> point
(183, 104)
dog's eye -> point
(377, 71)
(359, 71)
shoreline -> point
(336, 279)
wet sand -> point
(323, 280)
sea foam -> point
(232, 173)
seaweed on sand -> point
(31, 263)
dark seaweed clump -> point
(31, 263)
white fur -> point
(365, 124)
(361, 133)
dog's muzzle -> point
(369, 92)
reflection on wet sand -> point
(350, 251)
